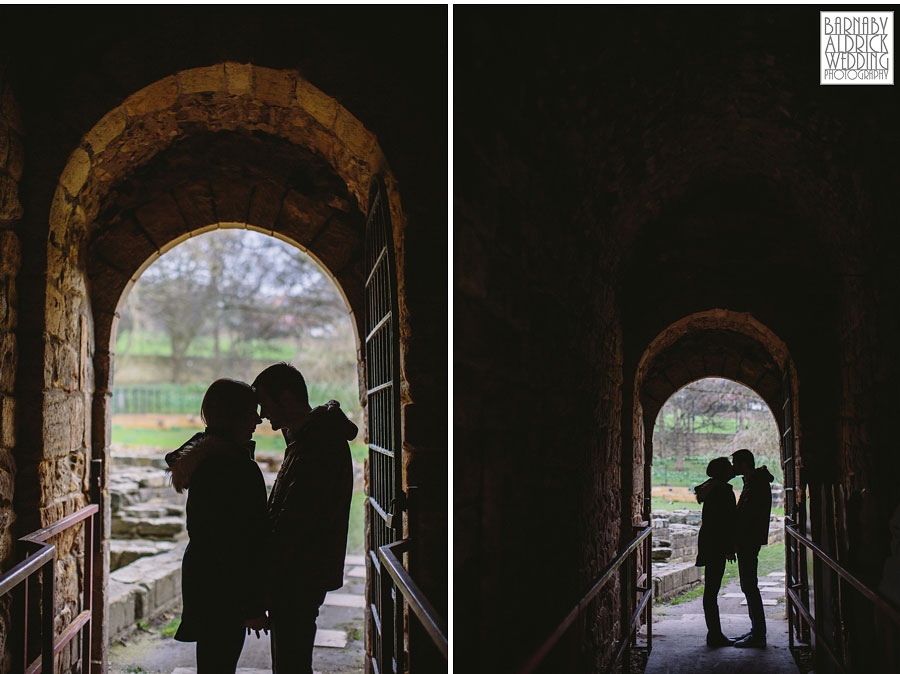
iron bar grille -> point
(382, 353)
(795, 554)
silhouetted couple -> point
(730, 529)
(253, 564)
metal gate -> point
(382, 366)
(796, 573)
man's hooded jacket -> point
(754, 509)
(223, 564)
(310, 503)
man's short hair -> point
(743, 455)
(281, 377)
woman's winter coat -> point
(228, 527)
(716, 539)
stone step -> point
(143, 589)
(356, 572)
(153, 508)
(344, 599)
(331, 639)
(129, 459)
(672, 579)
(123, 552)
(167, 528)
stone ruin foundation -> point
(148, 535)
(148, 538)
(675, 534)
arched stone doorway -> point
(724, 344)
(229, 145)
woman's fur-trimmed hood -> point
(186, 459)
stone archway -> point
(723, 344)
(221, 146)
(714, 343)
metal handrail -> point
(538, 657)
(434, 624)
(791, 528)
(41, 557)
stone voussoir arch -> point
(219, 98)
(715, 343)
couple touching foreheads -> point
(730, 530)
(252, 562)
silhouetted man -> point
(750, 534)
(309, 509)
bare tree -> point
(245, 285)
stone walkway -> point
(338, 648)
(679, 635)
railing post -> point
(386, 665)
(648, 566)
(25, 624)
(88, 595)
(48, 574)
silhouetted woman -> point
(226, 521)
(716, 542)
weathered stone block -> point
(124, 552)
(275, 87)
(75, 173)
(10, 254)
(110, 126)
(125, 601)
(7, 422)
(238, 78)
(660, 554)
(157, 96)
(352, 132)
(10, 206)
(160, 527)
(15, 160)
(146, 510)
(321, 107)
(196, 80)
(60, 210)
(159, 575)
(59, 411)
(8, 362)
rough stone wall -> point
(537, 381)
(533, 529)
(11, 213)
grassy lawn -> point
(663, 504)
(356, 534)
(172, 438)
(665, 471)
(771, 558)
(146, 343)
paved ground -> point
(339, 640)
(679, 635)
